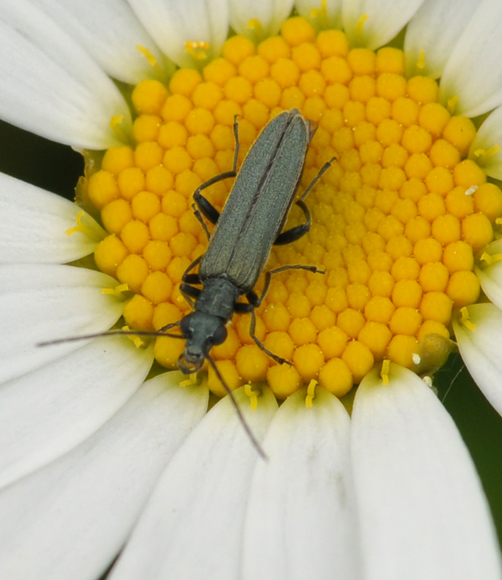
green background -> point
(57, 168)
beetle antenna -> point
(243, 421)
(118, 332)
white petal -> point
(480, 350)
(69, 520)
(490, 277)
(192, 525)
(171, 24)
(385, 18)
(435, 29)
(270, 13)
(301, 520)
(316, 11)
(487, 139)
(34, 225)
(45, 302)
(109, 31)
(50, 85)
(422, 509)
(51, 410)
(473, 72)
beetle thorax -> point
(218, 297)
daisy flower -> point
(106, 449)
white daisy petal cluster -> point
(97, 461)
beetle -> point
(251, 222)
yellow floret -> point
(145, 205)
(405, 111)
(130, 182)
(281, 344)
(390, 86)
(427, 250)
(467, 173)
(165, 314)
(306, 56)
(433, 117)
(332, 341)
(390, 60)
(439, 180)
(362, 61)
(308, 360)
(135, 236)
(168, 350)
(463, 288)
(116, 215)
(458, 203)
(146, 128)
(276, 317)
(102, 188)
(159, 180)
(405, 320)
(458, 256)
(157, 255)
(157, 287)
(436, 306)
(488, 200)
(149, 97)
(116, 159)
(377, 110)
(423, 90)
(109, 254)
(133, 272)
(219, 71)
(407, 293)
(359, 359)
(297, 30)
(379, 309)
(207, 95)
(176, 108)
(376, 336)
(138, 313)
(283, 380)
(237, 48)
(432, 327)
(273, 48)
(477, 231)
(252, 363)
(434, 277)
(230, 375)
(460, 132)
(332, 42)
(401, 350)
(148, 154)
(335, 376)
(184, 81)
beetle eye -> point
(220, 335)
(185, 328)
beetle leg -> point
(313, 183)
(204, 207)
(297, 232)
(190, 293)
(190, 278)
(260, 344)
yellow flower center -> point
(397, 220)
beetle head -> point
(202, 331)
